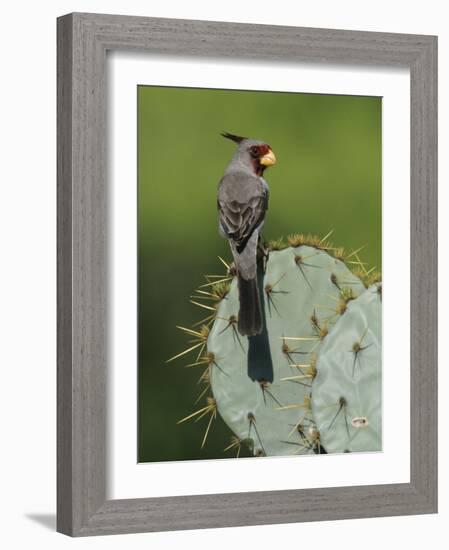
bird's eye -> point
(254, 151)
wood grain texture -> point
(83, 40)
(64, 277)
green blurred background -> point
(328, 176)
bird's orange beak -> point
(268, 159)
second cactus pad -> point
(347, 390)
(305, 291)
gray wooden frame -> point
(83, 40)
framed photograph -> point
(247, 274)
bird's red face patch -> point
(263, 149)
(259, 159)
(258, 151)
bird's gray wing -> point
(242, 203)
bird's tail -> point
(250, 320)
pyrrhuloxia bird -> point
(242, 204)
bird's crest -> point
(232, 137)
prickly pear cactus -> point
(262, 386)
(305, 292)
(347, 391)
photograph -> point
(230, 198)
(202, 204)
(259, 273)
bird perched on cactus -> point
(242, 205)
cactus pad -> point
(347, 391)
(305, 291)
